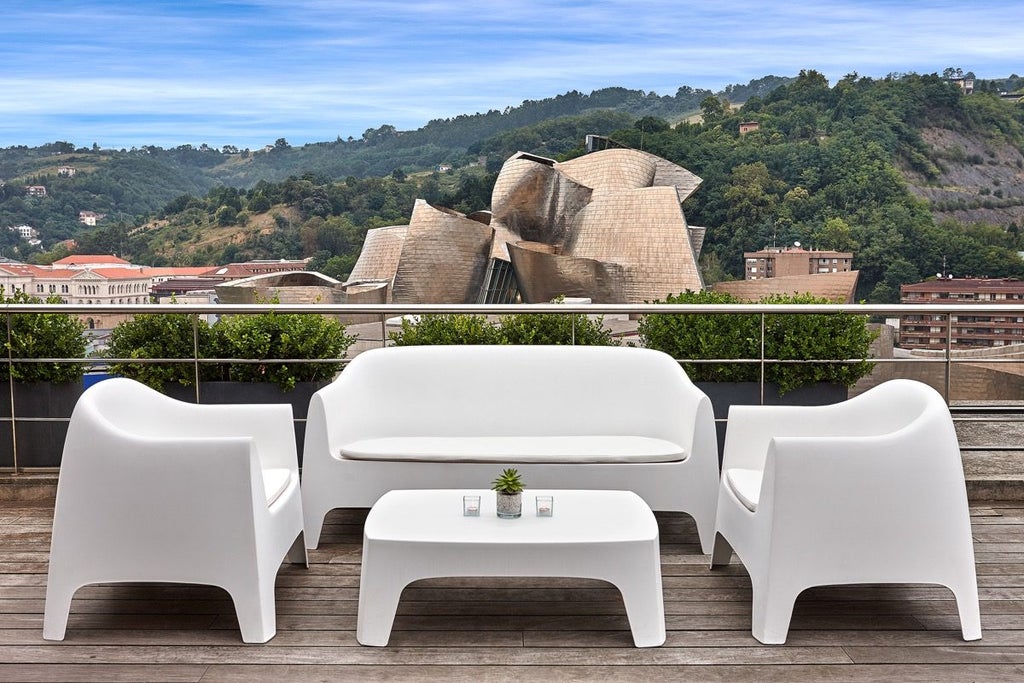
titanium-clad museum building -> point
(608, 226)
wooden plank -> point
(936, 655)
(617, 674)
(427, 656)
(98, 673)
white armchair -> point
(870, 490)
(154, 489)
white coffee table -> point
(608, 535)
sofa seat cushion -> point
(516, 449)
(746, 485)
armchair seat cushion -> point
(518, 449)
(275, 482)
(746, 485)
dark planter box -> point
(725, 394)
(40, 443)
(254, 392)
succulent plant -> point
(508, 482)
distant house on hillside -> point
(90, 217)
(66, 172)
(964, 83)
(749, 126)
(35, 190)
(26, 232)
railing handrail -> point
(393, 310)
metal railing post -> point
(762, 358)
(949, 357)
(195, 351)
(10, 389)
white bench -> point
(443, 417)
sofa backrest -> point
(512, 390)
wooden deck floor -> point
(515, 629)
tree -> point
(713, 109)
(835, 235)
(225, 215)
(652, 124)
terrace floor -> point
(511, 629)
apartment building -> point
(968, 331)
(794, 260)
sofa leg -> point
(721, 551)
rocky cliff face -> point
(979, 180)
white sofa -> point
(566, 417)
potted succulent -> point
(509, 490)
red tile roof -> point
(89, 259)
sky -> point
(247, 72)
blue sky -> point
(246, 72)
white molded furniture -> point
(436, 417)
(154, 489)
(608, 535)
(870, 490)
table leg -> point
(637, 575)
(380, 588)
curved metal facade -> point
(644, 231)
(608, 225)
(443, 259)
(381, 251)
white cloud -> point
(313, 69)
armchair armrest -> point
(817, 487)
(214, 482)
(751, 428)
(270, 426)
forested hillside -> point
(829, 167)
(906, 171)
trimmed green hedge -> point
(826, 336)
(518, 328)
(42, 335)
(264, 336)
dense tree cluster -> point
(311, 217)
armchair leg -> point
(57, 609)
(771, 614)
(255, 608)
(967, 605)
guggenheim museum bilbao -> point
(608, 226)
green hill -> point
(129, 185)
(906, 171)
